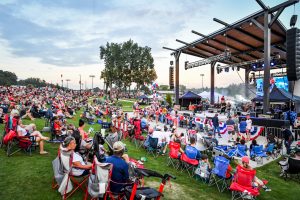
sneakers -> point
(268, 190)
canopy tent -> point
(189, 98)
(158, 97)
(279, 95)
(143, 97)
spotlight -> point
(232, 68)
(293, 20)
(238, 68)
(272, 64)
(250, 23)
(227, 69)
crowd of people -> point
(156, 121)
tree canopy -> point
(127, 63)
(8, 78)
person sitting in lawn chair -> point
(256, 181)
(204, 168)
(191, 151)
(21, 130)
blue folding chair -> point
(218, 173)
(258, 153)
(270, 150)
(241, 150)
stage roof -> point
(244, 39)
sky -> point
(50, 38)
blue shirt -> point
(119, 173)
(243, 125)
(143, 123)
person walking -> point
(215, 121)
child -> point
(204, 168)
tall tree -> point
(127, 63)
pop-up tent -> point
(189, 98)
(279, 95)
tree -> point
(169, 99)
(8, 78)
(164, 87)
(36, 82)
(127, 63)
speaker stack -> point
(293, 54)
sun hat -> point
(118, 146)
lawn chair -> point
(153, 147)
(293, 169)
(241, 150)
(15, 143)
(258, 154)
(66, 187)
(173, 154)
(242, 185)
(218, 173)
(270, 150)
(188, 164)
(98, 180)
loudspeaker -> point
(293, 20)
(293, 54)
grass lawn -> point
(24, 177)
(127, 105)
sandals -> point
(43, 152)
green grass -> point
(127, 105)
(29, 177)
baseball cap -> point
(245, 159)
(118, 146)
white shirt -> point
(77, 171)
(161, 136)
(22, 130)
(249, 124)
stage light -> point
(238, 68)
(272, 64)
(232, 68)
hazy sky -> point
(47, 38)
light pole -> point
(62, 81)
(67, 83)
(202, 75)
(79, 83)
(92, 76)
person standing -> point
(215, 121)
(288, 139)
(248, 127)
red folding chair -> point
(188, 164)
(242, 184)
(173, 154)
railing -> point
(296, 133)
(274, 131)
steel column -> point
(177, 55)
(247, 72)
(212, 82)
(267, 52)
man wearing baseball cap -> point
(256, 182)
(120, 167)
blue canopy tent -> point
(279, 95)
(189, 98)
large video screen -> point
(280, 82)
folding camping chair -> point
(19, 143)
(258, 154)
(218, 173)
(173, 154)
(188, 164)
(270, 150)
(78, 181)
(293, 169)
(98, 180)
(241, 150)
(242, 184)
(153, 147)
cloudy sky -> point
(47, 38)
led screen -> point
(280, 82)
